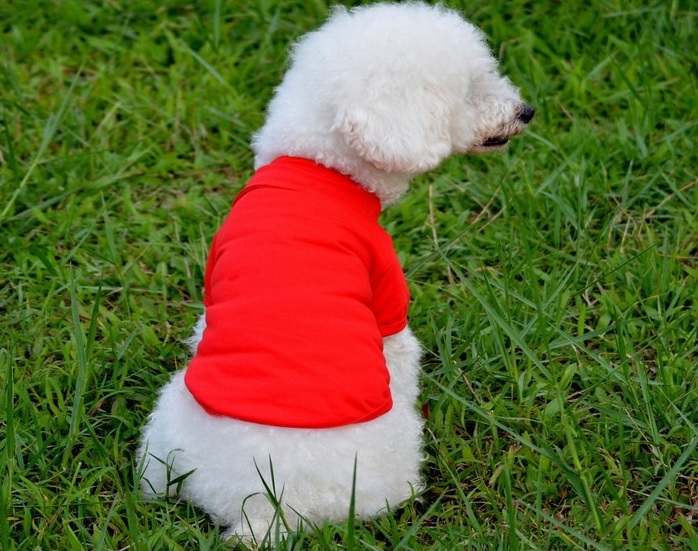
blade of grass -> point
(496, 316)
(49, 132)
(586, 542)
(568, 471)
(663, 483)
(7, 452)
(78, 409)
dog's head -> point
(388, 91)
(430, 88)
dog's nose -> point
(526, 113)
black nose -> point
(526, 113)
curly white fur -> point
(380, 93)
(385, 92)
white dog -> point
(300, 398)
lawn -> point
(555, 286)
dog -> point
(299, 404)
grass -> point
(555, 287)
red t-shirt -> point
(301, 286)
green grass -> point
(555, 287)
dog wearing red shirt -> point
(300, 399)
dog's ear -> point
(404, 131)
